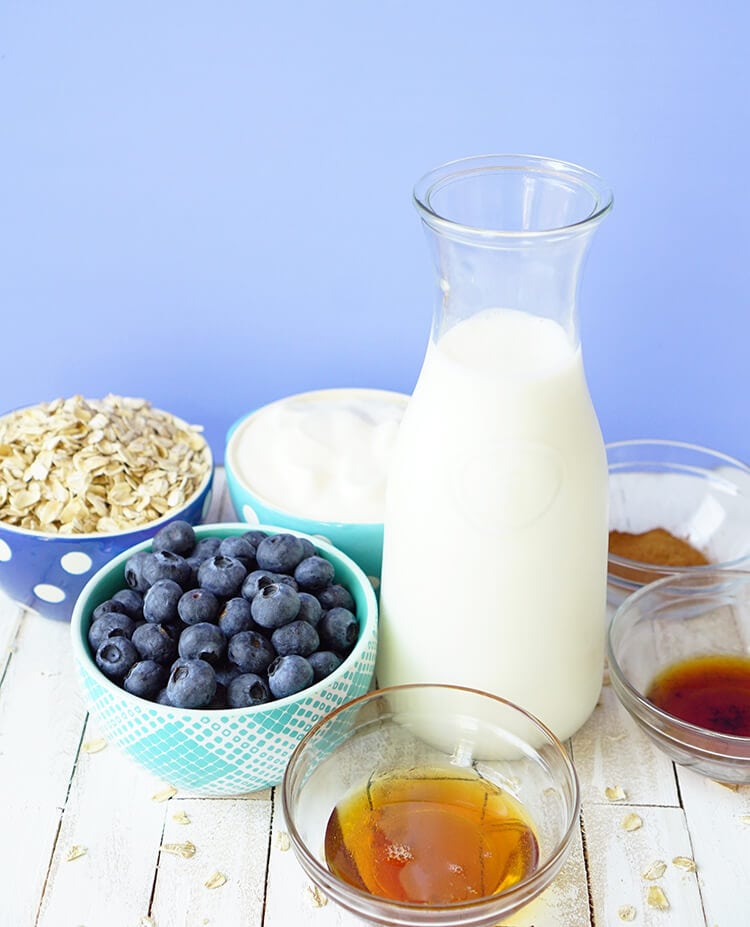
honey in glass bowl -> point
(430, 836)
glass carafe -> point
(495, 542)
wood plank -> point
(610, 751)
(719, 822)
(11, 617)
(231, 839)
(109, 813)
(41, 723)
(618, 860)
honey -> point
(430, 836)
(712, 692)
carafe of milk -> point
(495, 539)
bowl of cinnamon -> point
(674, 508)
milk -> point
(494, 569)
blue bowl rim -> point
(272, 507)
(86, 663)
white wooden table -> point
(85, 833)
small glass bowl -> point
(699, 495)
(671, 620)
(417, 726)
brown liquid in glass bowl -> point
(712, 692)
(431, 836)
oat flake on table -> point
(85, 466)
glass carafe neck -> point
(510, 232)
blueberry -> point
(134, 570)
(111, 624)
(247, 690)
(338, 630)
(206, 547)
(310, 610)
(323, 662)
(177, 537)
(275, 605)
(163, 564)
(280, 553)
(295, 637)
(336, 596)
(162, 698)
(308, 548)
(191, 684)
(289, 674)
(235, 617)
(239, 547)
(255, 537)
(155, 642)
(108, 605)
(257, 579)
(202, 641)
(197, 605)
(160, 601)
(222, 575)
(132, 602)
(220, 697)
(314, 573)
(145, 679)
(251, 652)
(226, 672)
(116, 656)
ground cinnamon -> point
(657, 546)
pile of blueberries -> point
(226, 622)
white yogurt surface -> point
(323, 455)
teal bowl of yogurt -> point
(317, 462)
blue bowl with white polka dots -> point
(221, 751)
(46, 572)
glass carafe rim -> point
(441, 176)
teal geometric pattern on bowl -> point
(221, 752)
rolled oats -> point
(87, 466)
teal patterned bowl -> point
(220, 752)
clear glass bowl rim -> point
(644, 565)
(523, 890)
(646, 710)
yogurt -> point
(321, 455)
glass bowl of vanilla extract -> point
(679, 661)
(430, 804)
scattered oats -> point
(186, 850)
(615, 738)
(282, 841)
(95, 745)
(86, 466)
(655, 871)
(626, 913)
(615, 793)
(684, 862)
(656, 898)
(216, 880)
(147, 921)
(317, 898)
(75, 852)
(745, 818)
(180, 817)
(165, 794)
(632, 822)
